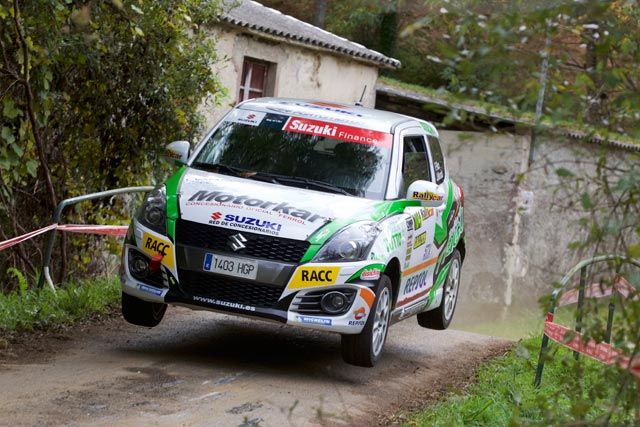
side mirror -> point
(431, 195)
(177, 153)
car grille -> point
(259, 246)
(228, 289)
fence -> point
(55, 226)
(602, 351)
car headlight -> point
(153, 212)
(352, 243)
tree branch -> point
(30, 101)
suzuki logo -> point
(216, 216)
(236, 242)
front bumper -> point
(277, 293)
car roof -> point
(334, 112)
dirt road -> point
(205, 369)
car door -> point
(421, 257)
(445, 214)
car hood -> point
(257, 207)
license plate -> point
(230, 266)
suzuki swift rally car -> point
(319, 215)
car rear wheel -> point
(142, 313)
(441, 317)
(365, 348)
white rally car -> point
(320, 215)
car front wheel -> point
(365, 348)
(142, 313)
(441, 317)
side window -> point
(415, 162)
(438, 158)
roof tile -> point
(253, 15)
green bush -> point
(91, 93)
(27, 310)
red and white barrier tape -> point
(601, 352)
(8, 243)
(598, 290)
(113, 230)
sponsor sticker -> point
(415, 282)
(324, 106)
(338, 131)
(420, 240)
(427, 252)
(426, 213)
(252, 118)
(306, 277)
(322, 234)
(392, 242)
(274, 121)
(359, 313)
(336, 108)
(149, 289)
(251, 203)
(246, 223)
(370, 274)
(153, 245)
(409, 222)
(222, 303)
(172, 154)
(314, 320)
(426, 196)
(376, 257)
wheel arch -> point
(462, 248)
(392, 270)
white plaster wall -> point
(300, 73)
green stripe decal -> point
(172, 191)
(380, 210)
(439, 281)
(311, 252)
(429, 128)
(441, 227)
(172, 201)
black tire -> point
(365, 348)
(440, 318)
(142, 313)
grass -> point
(27, 310)
(571, 393)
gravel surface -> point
(207, 369)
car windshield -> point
(299, 152)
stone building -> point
(272, 54)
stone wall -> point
(517, 236)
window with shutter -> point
(256, 79)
